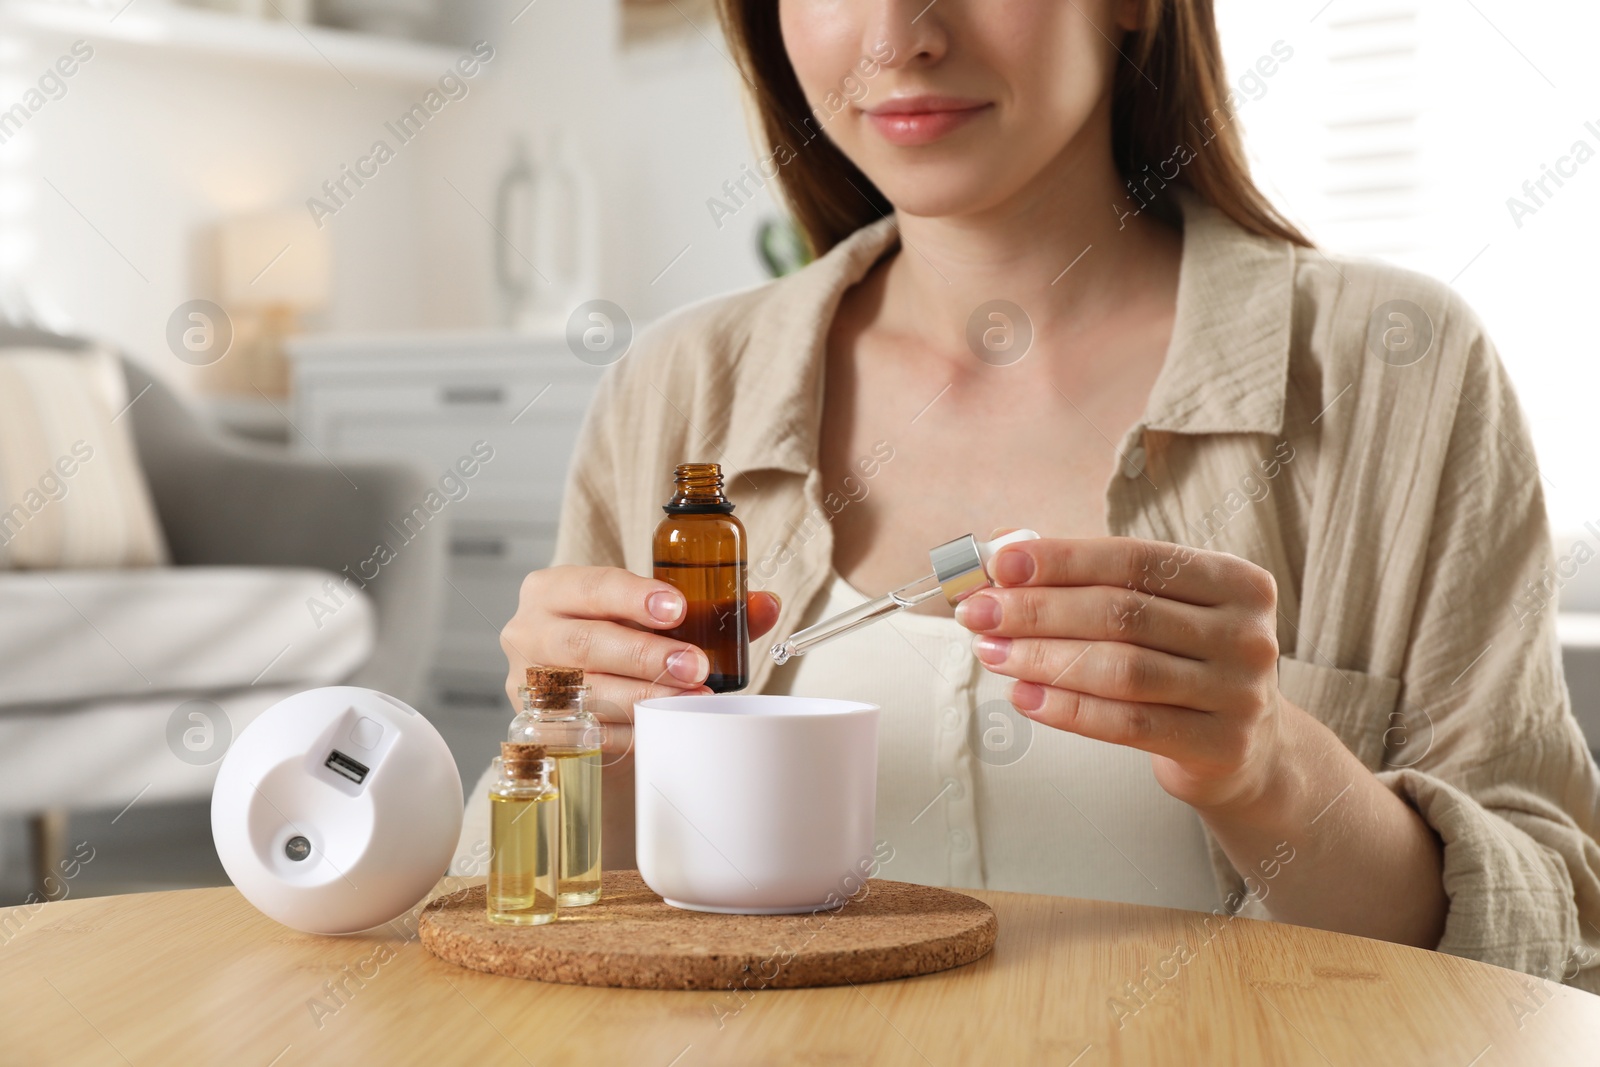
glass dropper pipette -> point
(959, 568)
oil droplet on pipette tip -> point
(781, 653)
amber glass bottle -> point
(700, 549)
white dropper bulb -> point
(987, 549)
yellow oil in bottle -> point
(578, 778)
(556, 717)
(524, 841)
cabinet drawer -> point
(478, 546)
(530, 420)
(532, 455)
(479, 604)
(465, 690)
(475, 650)
(498, 399)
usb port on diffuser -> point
(354, 770)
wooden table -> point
(199, 977)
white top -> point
(973, 794)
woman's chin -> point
(923, 195)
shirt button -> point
(952, 718)
(959, 840)
(1133, 462)
(956, 654)
(953, 789)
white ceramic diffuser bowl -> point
(753, 804)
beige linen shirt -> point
(1398, 508)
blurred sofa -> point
(126, 686)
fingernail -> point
(1026, 696)
(688, 665)
(664, 606)
(992, 650)
(1011, 568)
(978, 612)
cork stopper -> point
(521, 759)
(554, 687)
(540, 677)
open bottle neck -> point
(697, 489)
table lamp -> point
(272, 268)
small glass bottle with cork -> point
(524, 837)
(555, 716)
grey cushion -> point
(108, 754)
(73, 636)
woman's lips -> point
(922, 120)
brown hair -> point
(1169, 95)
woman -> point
(1268, 638)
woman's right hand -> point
(601, 619)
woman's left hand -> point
(1157, 646)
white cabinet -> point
(433, 399)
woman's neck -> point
(1061, 249)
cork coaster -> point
(633, 939)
